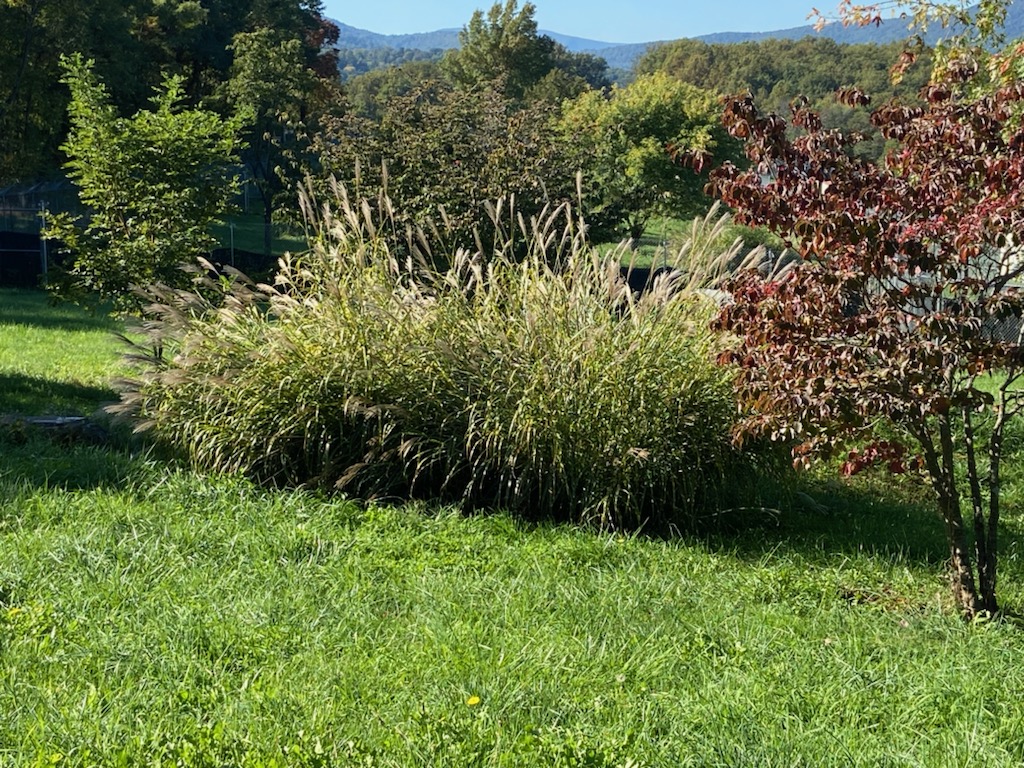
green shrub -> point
(540, 385)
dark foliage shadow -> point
(36, 396)
(84, 322)
(32, 458)
(821, 519)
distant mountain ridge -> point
(624, 55)
(616, 54)
(889, 31)
(441, 39)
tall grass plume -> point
(525, 375)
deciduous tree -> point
(899, 332)
(33, 106)
(367, 94)
(135, 44)
(442, 148)
(504, 50)
(625, 144)
(273, 91)
(153, 183)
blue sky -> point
(615, 21)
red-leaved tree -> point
(899, 329)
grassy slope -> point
(245, 232)
(153, 616)
(661, 241)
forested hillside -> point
(370, 47)
(777, 71)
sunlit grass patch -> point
(55, 359)
(202, 621)
(151, 616)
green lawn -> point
(245, 233)
(153, 616)
(54, 360)
(663, 237)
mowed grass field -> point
(153, 616)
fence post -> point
(43, 256)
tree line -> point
(813, 69)
(510, 113)
(523, 114)
(135, 44)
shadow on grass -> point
(35, 396)
(30, 459)
(816, 522)
(821, 518)
(881, 517)
(34, 309)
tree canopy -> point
(153, 182)
(776, 72)
(281, 100)
(905, 314)
(135, 44)
(626, 145)
(505, 50)
(438, 147)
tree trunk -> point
(987, 579)
(268, 229)
(984, 538)
(965, 591)
(940, 465)
(987, 568)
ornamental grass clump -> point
(526, 377)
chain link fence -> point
(25, 257)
